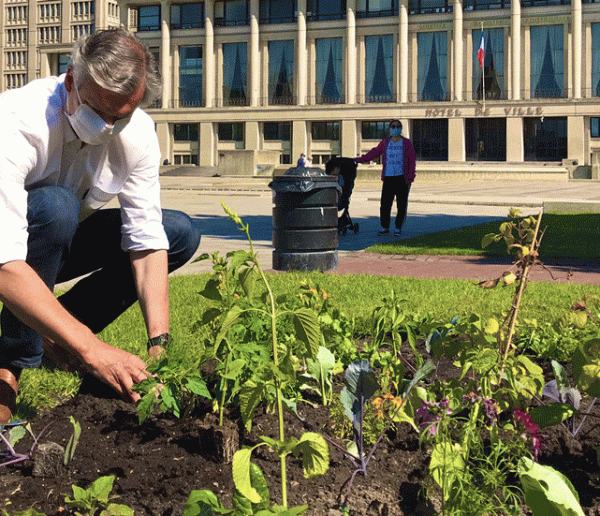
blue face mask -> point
(395, 131)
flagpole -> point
(483, 70)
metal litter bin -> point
(305, 235)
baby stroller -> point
(345, 169)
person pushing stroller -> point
(345, 170)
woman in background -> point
(399, 162)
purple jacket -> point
(409, 158)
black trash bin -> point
(305, 235)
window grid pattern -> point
(230, 13)
(16, 15)
(187, 16)
(14, 80)
(16, 37)
(84, 29)
(49, 35)
(15, 60)
(49, 13)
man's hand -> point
(117, 368)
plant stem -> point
(276, 363)
(522, 284)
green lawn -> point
(566, 236)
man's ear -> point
(69, 80)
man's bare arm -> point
(27, 296)
(151, 281)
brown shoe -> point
(9, 388)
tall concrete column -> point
(32, 35)
(576, 141)
(165, 141)
(301, 61)
(100, 14)
(208, 144)
(458, 50)
(456, 139)
(299, 139)
(348, 143)
(515, 26)
(403, 71)
(252, 135)
(577, 43)
(165, 53)
(209, 54)
(515, 146)
(254, 55)
(351, 58)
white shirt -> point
(38, 147)
(394, 159)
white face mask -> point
(90, 127)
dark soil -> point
(158, 464)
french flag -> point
(481, 52)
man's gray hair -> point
(117, 61)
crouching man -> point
(68, 146)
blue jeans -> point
(61, 249)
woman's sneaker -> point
(397, 233)
(383, 231)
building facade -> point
(324, 77)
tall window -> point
(190, 76)
(277, 11)
(329, 85)
(430, 139)
(281, 72)
(187, 16)
(596, 59)
(379, 68)
(148, 17)
(374, 130)
(376, 8)
(433, 66)
(231, 131)
(547, 61)
(328, 131)
(231, 12)
(277, 131)
(485, 139)
(235, 72)
(489, 82)
(545, 139)
(63, 63)
(185, 132)
(326, 9)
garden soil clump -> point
(159, 463)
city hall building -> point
(276, 78)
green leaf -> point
(16, 434)
(488, 240)
(116, 509)
(168, 399)
(229, 320)
(145, 406)
(552, 414)
(251, 394)
(101, 488)
(258, 482)
(308, 330)
(241, 475)
(73, 441)
(212, 290)
(547, 491)
(203, 503)
(197, 385)
(446, 466)
(315, 454)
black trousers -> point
(393, 187)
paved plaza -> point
(433, 206)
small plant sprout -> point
(17, 431)
(96, 499)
